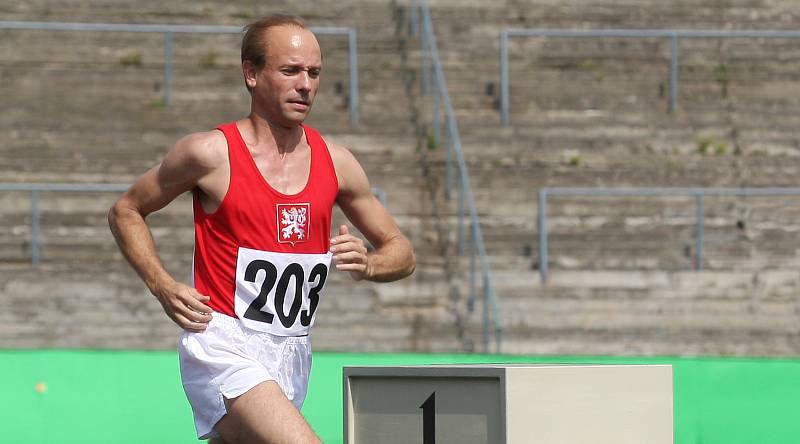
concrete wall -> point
(85, 108)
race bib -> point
(279, 293)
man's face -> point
(285, 88)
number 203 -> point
(294, 270)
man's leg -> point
(263, 415)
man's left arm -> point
(393, 256)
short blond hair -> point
(253, 44)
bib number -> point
(279, 292)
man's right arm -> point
(186, 165)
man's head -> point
(281, 62)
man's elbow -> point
(117, 214)
(411, 265)
(402, 264)
(409, 260)
(113, 215)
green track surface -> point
(108, 397)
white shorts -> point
(226, 360)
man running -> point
(264, 187)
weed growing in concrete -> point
(209, 60)
(432, 143)
(131, 59)
(703, 144)
(157, 103)
(722, 77)
(709, 145)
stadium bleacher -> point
(85, 107)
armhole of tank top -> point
(326, 153)
(225, 198)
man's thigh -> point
(263, 415)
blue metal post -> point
(700, 233)
(437, 121)
(673, 76)
(464, 182)
(461, 218)
(353, 59)
(485, 315)
(504, 87)
(448, 164)
(380, 195)
(472, 285)
(498, 336)
(167, 68)
(424, 70)
(414, 22)
(543, 235)
(35, 258)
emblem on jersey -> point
(293, 222)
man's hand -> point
(350, 254)
(185, 306)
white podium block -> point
(509, 404)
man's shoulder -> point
(339, 153)
(207, 148)
(204, 140)
(349, 172)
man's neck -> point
(268, 134)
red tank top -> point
(262, 256)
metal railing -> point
(434, 84)
(37, 188)
(169, 30)
(672, 34)
(697, 193)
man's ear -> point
(249, 70)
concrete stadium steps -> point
(640, 136)
(645, 14)
(94, 243)
(78, 220)
(117, 78)
(667, 248)
(92, 246)
(202, 56)
(533, 168)
(105, 305)
(408, 315)
(584, 112)
(508, 191)
(751, 78)
(697, 101)
(692, 14)
(127, 96)
(556, 90)
(86, 154)
(74, 226)
(514, 247)
(671, 253)
(339, 13)
(653, 313)
(93, 307)
(514, 167)
(92, 91)
(638, 232)
(598, 151)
